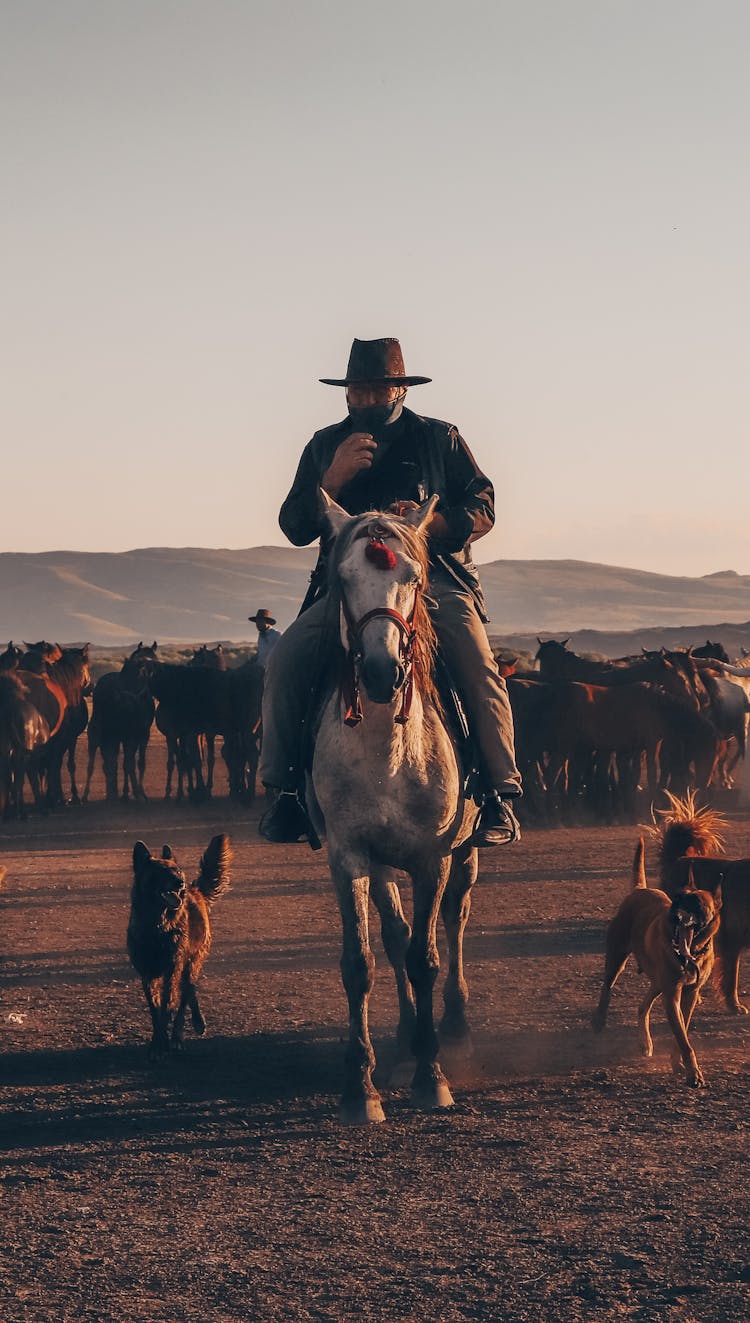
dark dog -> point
(690, 840)
(672, 940)
(169, 934)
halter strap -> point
(350, 689)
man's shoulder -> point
(435, 426)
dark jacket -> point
(426, 457)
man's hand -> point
(435, 527)
(352, 456)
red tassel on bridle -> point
(380, 554)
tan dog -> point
(169, 934)
(673, 943)
(690, 841)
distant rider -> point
(268, 637)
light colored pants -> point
(295, 666)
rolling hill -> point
(197, 594)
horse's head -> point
(552, 655)
(378, 572)
(77, 659)
(10, 659)
(141, 664)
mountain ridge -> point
(189, 594)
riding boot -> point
(287, 821)
(496, 823)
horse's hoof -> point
(434, 1097)
(362, 1111)
(433, 1100)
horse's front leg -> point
(210, 763)
(396, 934)
(74, 795)
(429, 1086)
(360, 1101)
(455, 908)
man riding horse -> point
(385, 457)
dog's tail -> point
(639, 864)
(687, 830)
(213, 879)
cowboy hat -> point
(263, 616)
(376, 360)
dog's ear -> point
(167, 853)
(141, 855)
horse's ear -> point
(141, 854)
(690, 884)
(419, 517)
(335, 515)
(564, 642)
(166, 853)
(154, 645)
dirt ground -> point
(572, 1180)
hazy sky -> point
(549, 204)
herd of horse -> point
(44, 708)
(591, 735)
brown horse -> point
(23, 733)
(122, 717)
(58, 691)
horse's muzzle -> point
(382, 678)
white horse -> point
(728, 687)
(386, 776)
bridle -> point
(351, 684)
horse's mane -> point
(414, 545)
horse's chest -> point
(384, 807)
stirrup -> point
(287, 821)
(496, 824)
